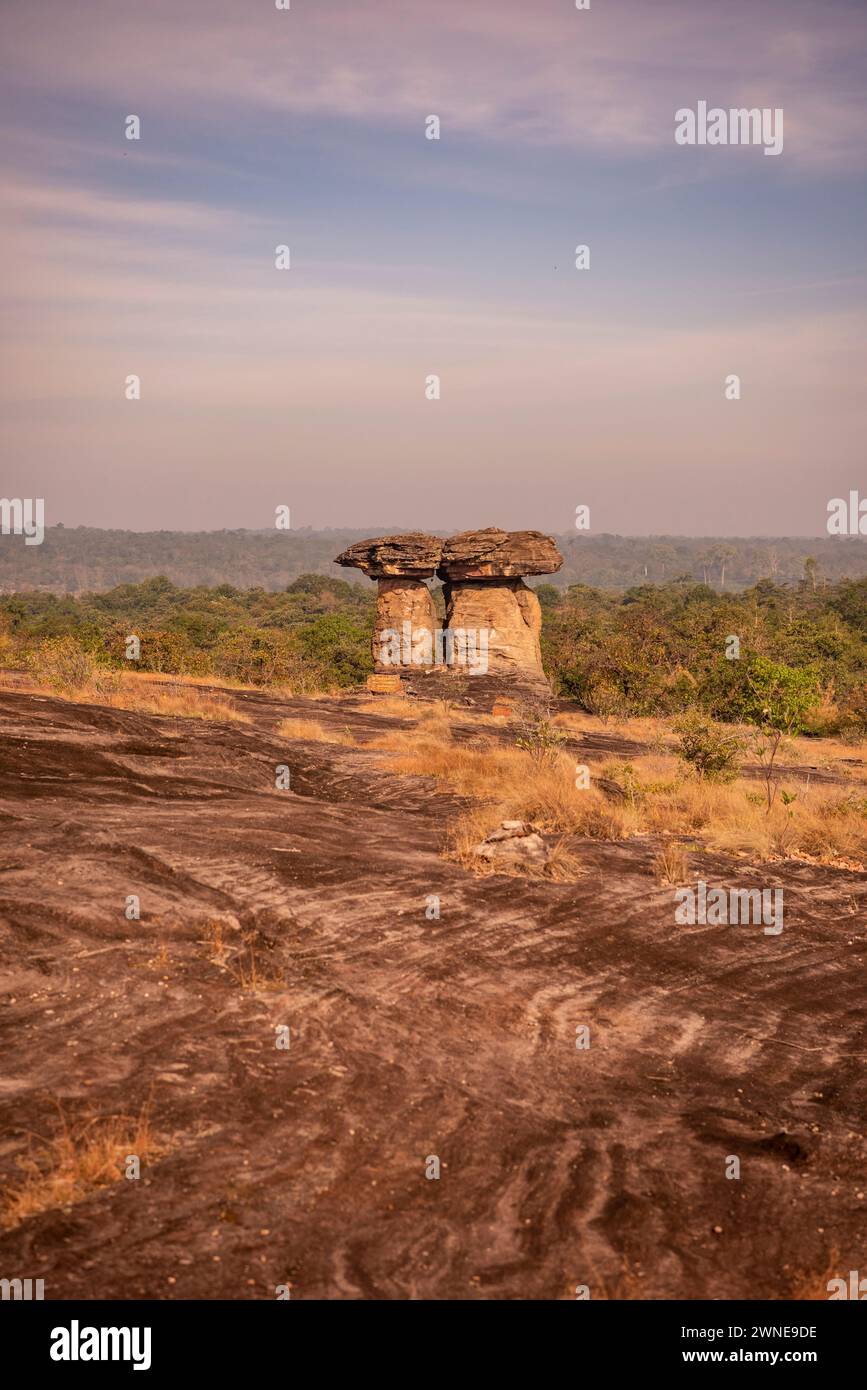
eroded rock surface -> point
(509, 613)
(410, 1036)
(402, 600)
(492, 553)
(414, 555)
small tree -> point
(707, 748)
(605, 699)
(62, 663)
(538, 736)
(778, 697)
(810, 568)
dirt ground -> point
(409, 1038)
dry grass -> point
(172, 678)
(250, 973)
(507, 781)
(507, 785)
(311, 731)
(176, 701)
(392, 706)
(162, 960)
(241, 963)
(823, 824)
(216, 947)
(140, 693)
(829, 754)
(79, 1160)
(420, 711)
(564, 865)
(310, 686)
(671, 864)
(827, 824)
(654, 732)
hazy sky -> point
(412, 257)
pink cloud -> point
(607, 78)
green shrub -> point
(779, 699)
(606, 700)
(706, 748)
(255, 656)
(62, 664)
(538, 737)
(338, 646)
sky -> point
(411, 258)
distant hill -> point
(86, 559)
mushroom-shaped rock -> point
(405, 615)
(415, 556)
(494, 554)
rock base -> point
(481, 693)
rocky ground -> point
(409, 1038)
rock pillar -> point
(493, 620)
(509, 616)
(406, 621)
(485, 592)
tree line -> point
(650, 649)
(86, 559)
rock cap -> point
(413, 555)
(493, 553)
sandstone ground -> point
(304, 909)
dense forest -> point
(649, 649)
(85, 559)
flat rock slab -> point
(409, 1037)
(414, 555)
(492, 554)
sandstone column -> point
(401, 601)
(484, 591)
(406, 621)
(508, 613)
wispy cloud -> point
(606, 78)
(409, 258)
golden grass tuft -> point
(69, 1168)
(507, 779)
(671, 864)
(252, 974)
(311, 731)
(392, 706)
(176, 702)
